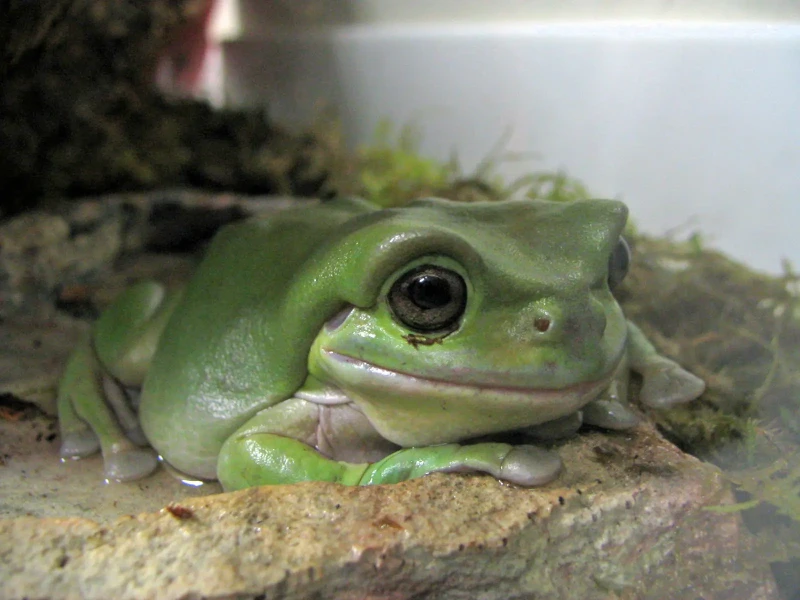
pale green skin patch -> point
(284, 359)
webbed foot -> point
(609, 414)
(79, 443)
(667, 384)
(129, 464)
(523, 465)
(529, 466)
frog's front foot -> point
(529, 466)
(666, 384)
(258, 459)
(523, 465)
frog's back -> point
(235, 344)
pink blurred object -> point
(180, 69)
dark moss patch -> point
(16, 409)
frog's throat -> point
(414, 411)
(413, 384)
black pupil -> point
(429, 291)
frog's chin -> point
(412, 411)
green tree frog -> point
(349, 344)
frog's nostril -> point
(542, 324)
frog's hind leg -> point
(77, 438)
(94, 411)
(610, 410)
(664, 382)
(89, 423)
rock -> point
(627, 520)
(33, 351)
(34, 481)
(41, 251)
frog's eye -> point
(618, 263)
(428, 298)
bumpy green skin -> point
(254, 375)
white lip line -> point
(578, 387)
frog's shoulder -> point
(239, 338)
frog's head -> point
(468, 319)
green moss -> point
(391, 171)
(556, 187)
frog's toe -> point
(530, 466)
(130, 464)
(609, 414)
(666, 385)
(77, 444)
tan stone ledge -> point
(627, 520)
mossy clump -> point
(737, 329)
(740, 331)
(80, 114)
(391, 171)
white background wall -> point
(689, 111)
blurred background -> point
(685, 109)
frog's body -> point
(357, 345)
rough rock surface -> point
(34, 481)
(43, 250)
(625, 521)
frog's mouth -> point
(414, 384)
(412, 411)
